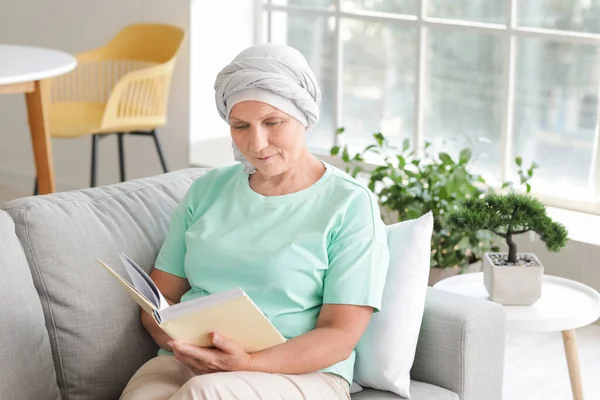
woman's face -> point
(269, 138)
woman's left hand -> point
(227, 356)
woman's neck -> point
(299, 177)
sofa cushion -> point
(418, 391)
(390, 340)
(26, 367)
(95, 332)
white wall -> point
(220, 30)
(73, 26)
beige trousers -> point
(166, 378)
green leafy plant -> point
(507, 215)
(409, 185)
(525, 175)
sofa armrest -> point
(461, 345)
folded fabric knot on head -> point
(274, 74)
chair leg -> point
(159, 151)
(35, 187)
(95, 139)
(121, 156)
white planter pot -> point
(513, 285)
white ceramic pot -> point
(513, 285)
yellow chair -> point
(120, 88)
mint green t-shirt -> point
(291, 254)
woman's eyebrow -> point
(270, 115)
(273, 114)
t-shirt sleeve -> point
(171, 256)
(358, 258)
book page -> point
(211, 300)
(143, 283)
(130, 289)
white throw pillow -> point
(386, 352)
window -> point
(505, 77)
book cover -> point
(231, 313)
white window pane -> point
(313, 37)
(387, 6)
(379, 81)
(491, 11)
(264, 25)
(328, 4)
(464, 96)
(567, 15)
(556, 99)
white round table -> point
(565, 305)
(21, 70)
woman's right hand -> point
(225, 356)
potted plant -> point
(511, 278)
(409, 185)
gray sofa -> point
(68, 331)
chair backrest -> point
(155, 43)
(134, 47)
(139, 98)
(103, 76)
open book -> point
(231, 313)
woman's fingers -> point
(197, 359)
(198, 353)
(196, 366)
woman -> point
(304, 240)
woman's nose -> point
(259, 140)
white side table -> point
(22, 68)
(565, 305)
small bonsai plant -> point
(508, 215)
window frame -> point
(510, 31)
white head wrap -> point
(270, 73)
